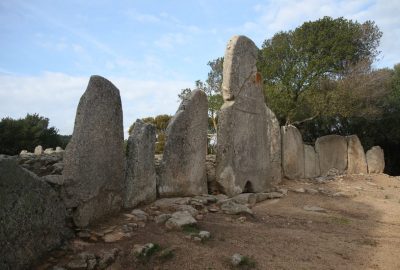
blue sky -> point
(148, 49)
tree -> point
(212, 88)
(161, 123)
(294, 63)
(26, 133)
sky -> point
(149, 49)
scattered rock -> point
(242, 219)
(204, 235)
(246, 198)
(236, 259)
(311, 191)
(188, 208)
(38, 150)
(113, 237)
(299, 190)
(139, 215)
(269, 195)
(180, 219)
(107, 258)
(232, 208)
(143, 251)
(161, 219)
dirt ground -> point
(358, 228)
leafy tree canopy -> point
(309, 58)
(26, 133)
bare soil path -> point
(357, 228)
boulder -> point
(38, 150)
(230, 207)
(94, 160)
(180, 219)
(183, 170)
(375, 160)
(32, 217)
(243, 145)
(48, 151)
(356, 160)
(59, 149)
(211, 178)
(311, 162)
(292, 153)
(140, 178)
(332, 153)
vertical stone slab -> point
(332, 153)
(140, 179)
(275, 150)
(311, 162)
(375, 160)
(356, 160)
(94, 159)
(183, 169)
(243, 147)
(292, 153)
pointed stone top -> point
(240, 69)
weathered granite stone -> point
(49, 151)
(140, 179)
(356, 160)
(211, 179)
(311, 162)
(292, 152)
(94, 162)
(375, 160)
(59, 149)
(183, 170)
(38, 150)
(332, 153)
(275, 151)
(32, 217)
(243, 146)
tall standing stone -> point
(243, 146)
(311, 162)
(356, 160)
(375, 160)
(275, 148)
(38, 150)
(140, 179)
(332, 153)
(183, 171)
(292, 152)
(94, 158)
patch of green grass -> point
(247, 263)
(148, 253)
(341, 220)
(191, 229)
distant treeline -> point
(26, 133)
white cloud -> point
(170, 40)
(56, 96)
